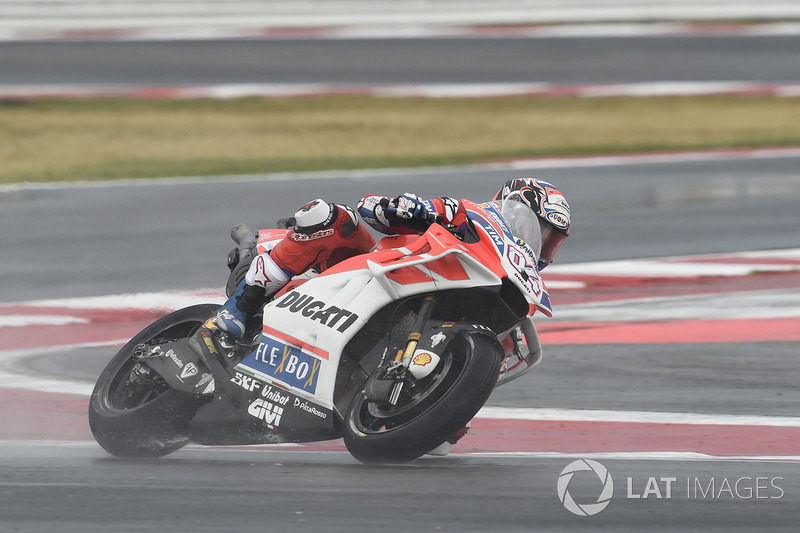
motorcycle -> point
(394, 350)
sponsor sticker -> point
(422, 363)
(207, 341)
(437, 339)
(172, 356)
(422, 359)
(269, 412)
(286, 363)
(189, 370)
(317, 310)
(302, 237)
(558, 219)
(309, 408)
(493, 234)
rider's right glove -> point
(409, 205)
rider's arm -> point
(381, 213)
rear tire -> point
(136, 414)
(449, 398)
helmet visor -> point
(552, 239)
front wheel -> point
(133, 412)
(431, 410)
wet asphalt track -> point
(399, 61)
(63, 488)
(101, 240)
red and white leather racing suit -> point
(299, 251)
(323, 235)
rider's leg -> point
(331, 237)
(263, 279)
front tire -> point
(132, 411)
(377, 432)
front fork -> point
(398, 369)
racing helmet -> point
(549, 205)
(314, 216)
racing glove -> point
(409, 205)
(407, 210)
(392, 216)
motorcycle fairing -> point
(518, 259)
(180, 367)
(302, 343)
(346, 295)
(269, 238)
(248, 411)
(270, 415)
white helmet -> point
(314, 216)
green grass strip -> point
(99, 139)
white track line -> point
(170, 300)
(634, 417)
(641, 456)
(201, 32)
(781, 303)
(459, 90)
(719, 264)
(647, 268)
(13, 378)
(39, 320)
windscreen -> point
(523, 223)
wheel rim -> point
(373, 418)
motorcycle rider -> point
(322, 234)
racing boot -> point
(243, 303)
(263, 279)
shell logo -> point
(422, 359)
(423, 363)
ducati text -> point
(327, 315)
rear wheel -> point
(430, 410)
(132, 411)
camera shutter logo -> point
(585, 465)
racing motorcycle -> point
(395, 350)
